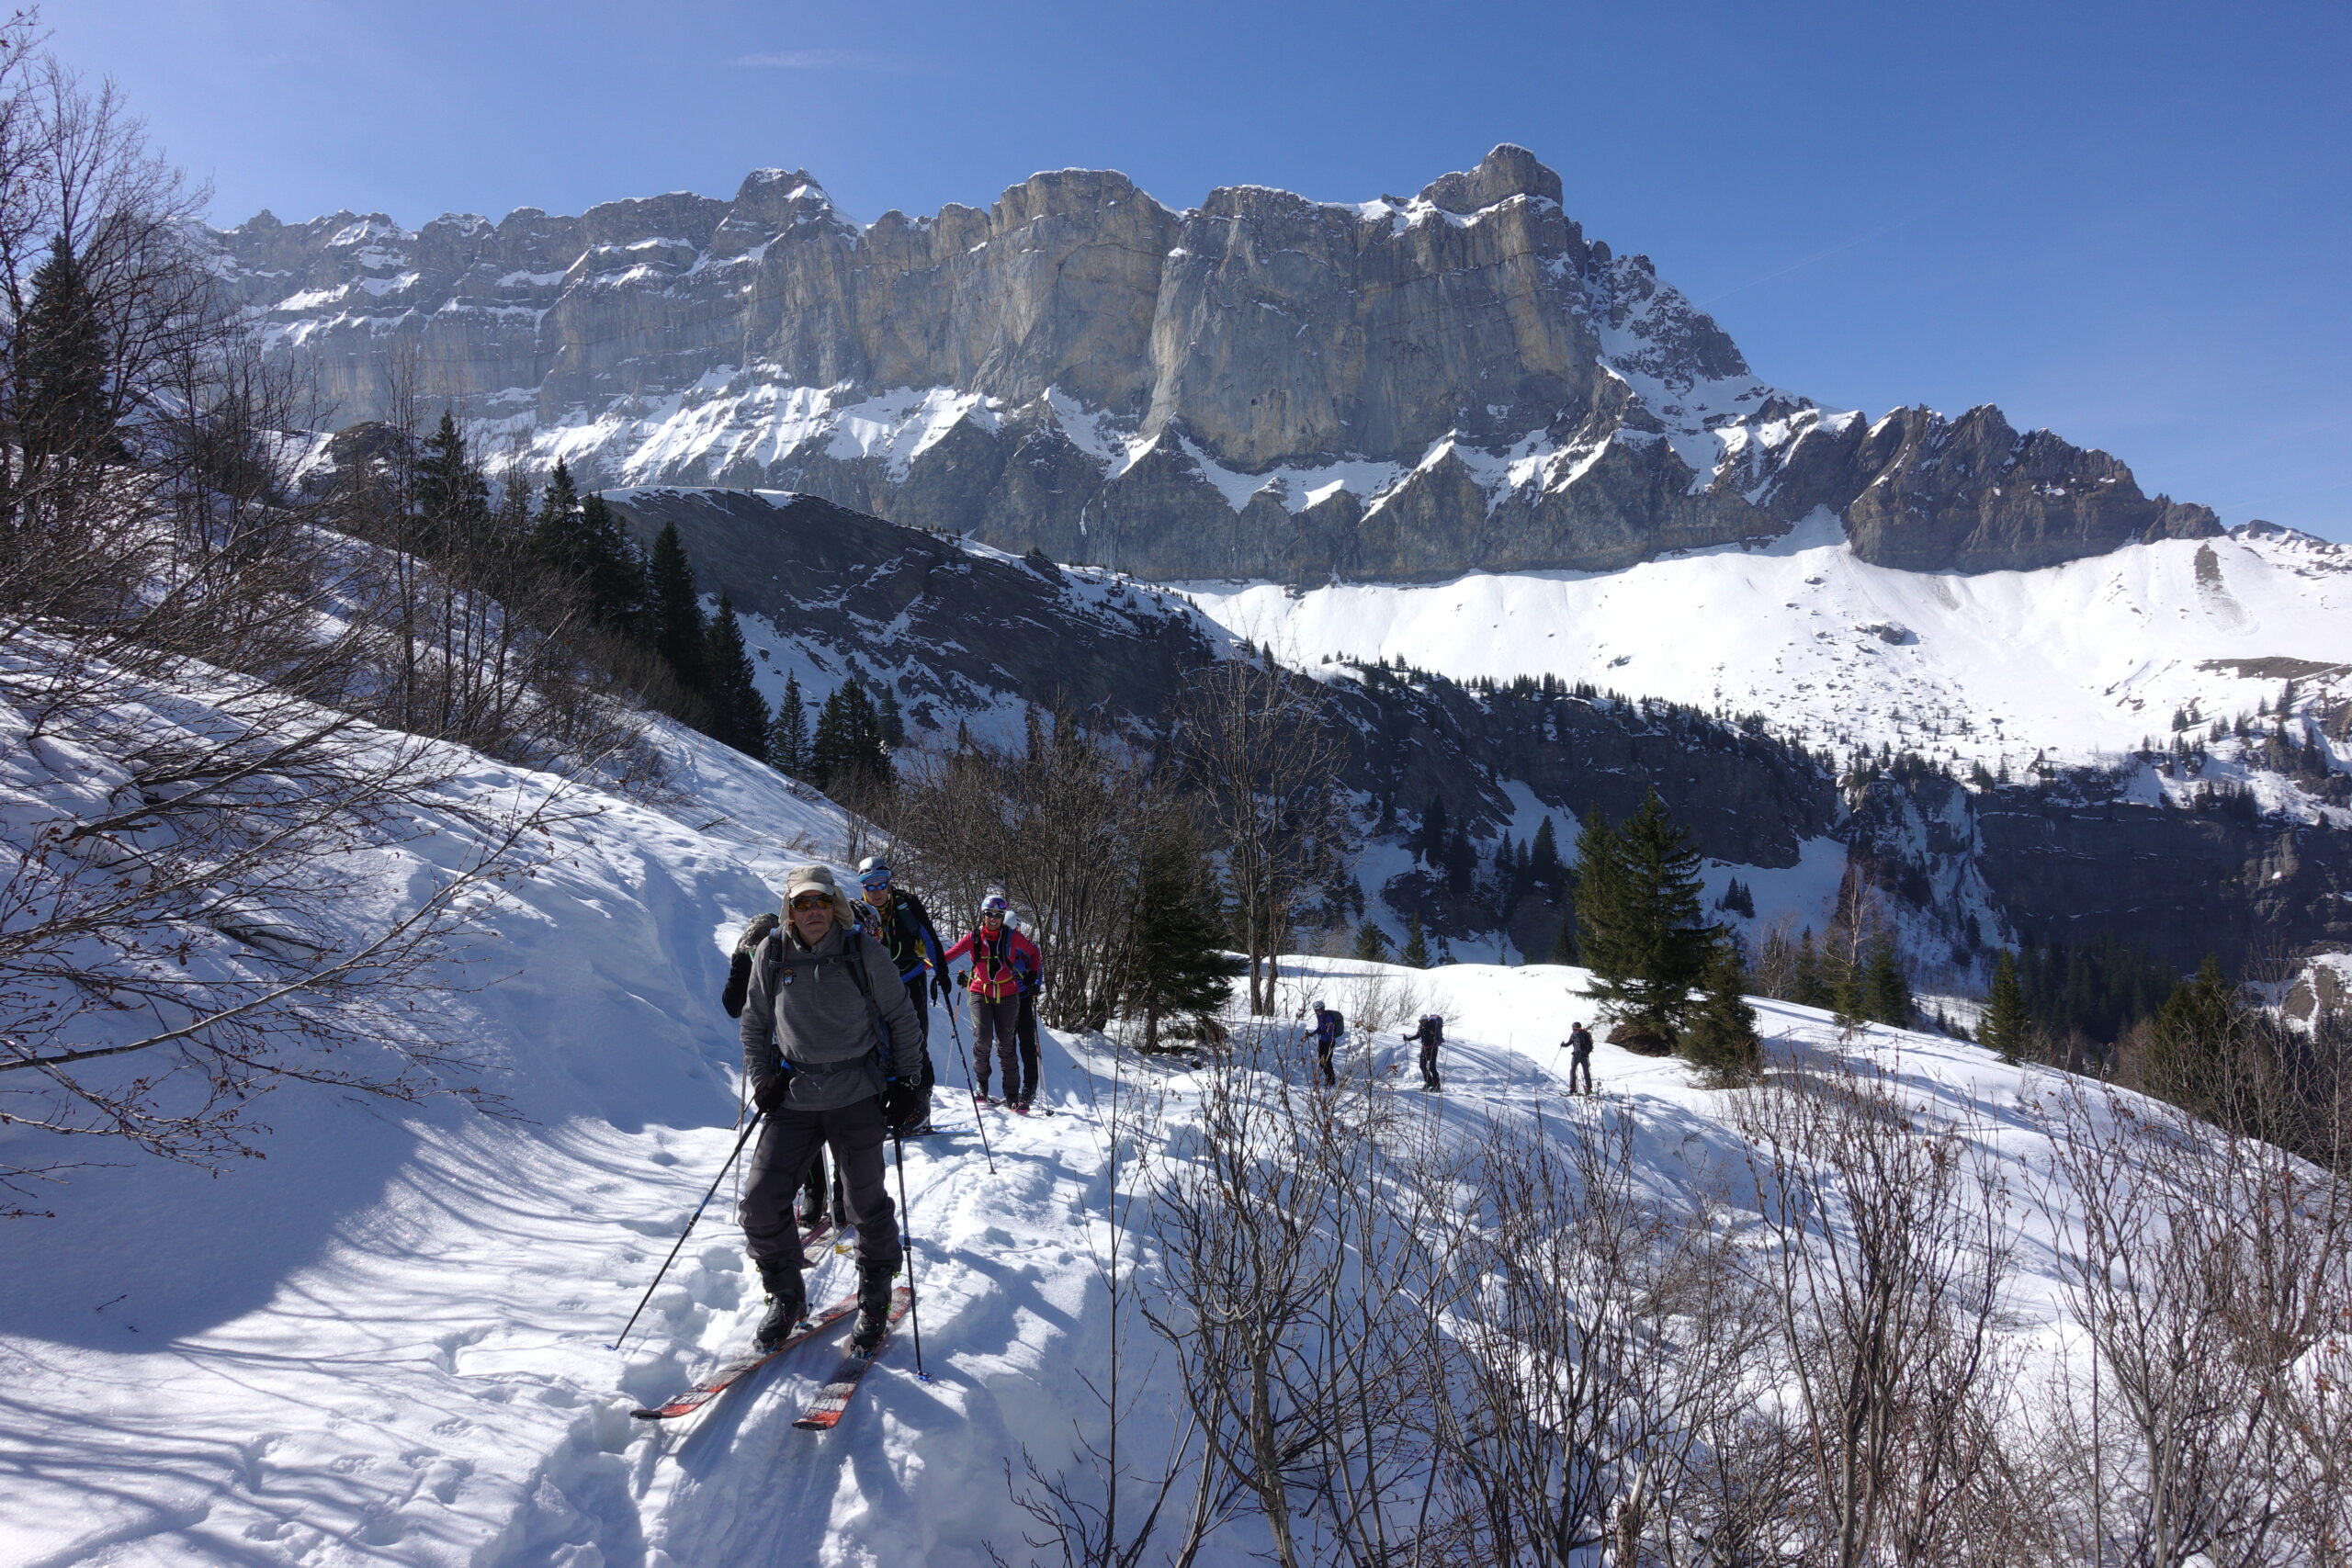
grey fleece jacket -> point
(804, 1011)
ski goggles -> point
(876, 880)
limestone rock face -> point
(1263, 386)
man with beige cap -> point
(833, 1055)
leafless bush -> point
(1059, 828)
(1259, 753)
(1889, 1246)
(2211, 1273)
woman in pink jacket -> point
(1003, 960)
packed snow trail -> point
(385, 1342)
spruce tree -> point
(452, 492)
(1806, 986)
(2007, 1028)
(788, 735)
(1722, 1041)
(62, 408)
(1178, 965)
(894, 724)
(1417, 945)
(1372, 942)
(738, 714)
(1564, 946)
(847, 752)
(1640, 920)
(1887, 988)
(612, 571)
(1543, 858)
(2193, 1044)
(679, 635)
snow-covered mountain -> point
(1263, 386)
(2077, 663)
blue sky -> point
(2128, 223)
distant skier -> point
(1000, 957)
(904, 928)
(1430, 1034)
(834, 1056)
(1579, 1057)
(1032, 988)
(1328, 1027)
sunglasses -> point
(812, 901)
(874, 884)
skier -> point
(1430, 1033)
(1033, 985)
(1328, 1027)
(1579, 1057)
(739, 985)
(904, 928)
(999, 956)
(834, 1056)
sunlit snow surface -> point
(2082, 661)
(387, 1342)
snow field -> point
(387, 1342)
(2082, 660)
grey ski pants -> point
(997, 1025)
(788, 1143)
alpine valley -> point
(1510, 492)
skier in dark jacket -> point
(834, 1056)
(907, 934)
(1579, 1057)
(1328, 1027)
(1430, 1034)
(1001, 958)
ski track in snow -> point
(387, 1342)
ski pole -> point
(965, 1062)
(906, 1246)
(707, 1197)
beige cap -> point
(809, 879)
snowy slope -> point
(2081, 660)
(387, 1343)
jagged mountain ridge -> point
(1260, 387)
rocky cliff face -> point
(1263, 386)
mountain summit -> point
(1260, 386)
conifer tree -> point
(1564, 946)
(1807, 986)
(847, 752)
(2007, 1028)
(1180, 963)
(1543, 857)
(451, 489)
(1640, 919)
(612, 571)
(2194, 1045)
(738, 714)
(679, 635)
(1372, 942)
(62, 408)
(1417, 945)
(894, 725)
(788, 735)
(1722, 1041)
(1887, 988)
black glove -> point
(768, 1093)
(963, 977)
(942, 987)
(906, 1105)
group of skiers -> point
(833, 1001)
(833, 995)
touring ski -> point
(744, 1366)
(825, 1412)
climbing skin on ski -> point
(824, 1413)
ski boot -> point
(787, 1300)
(873, 1307)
